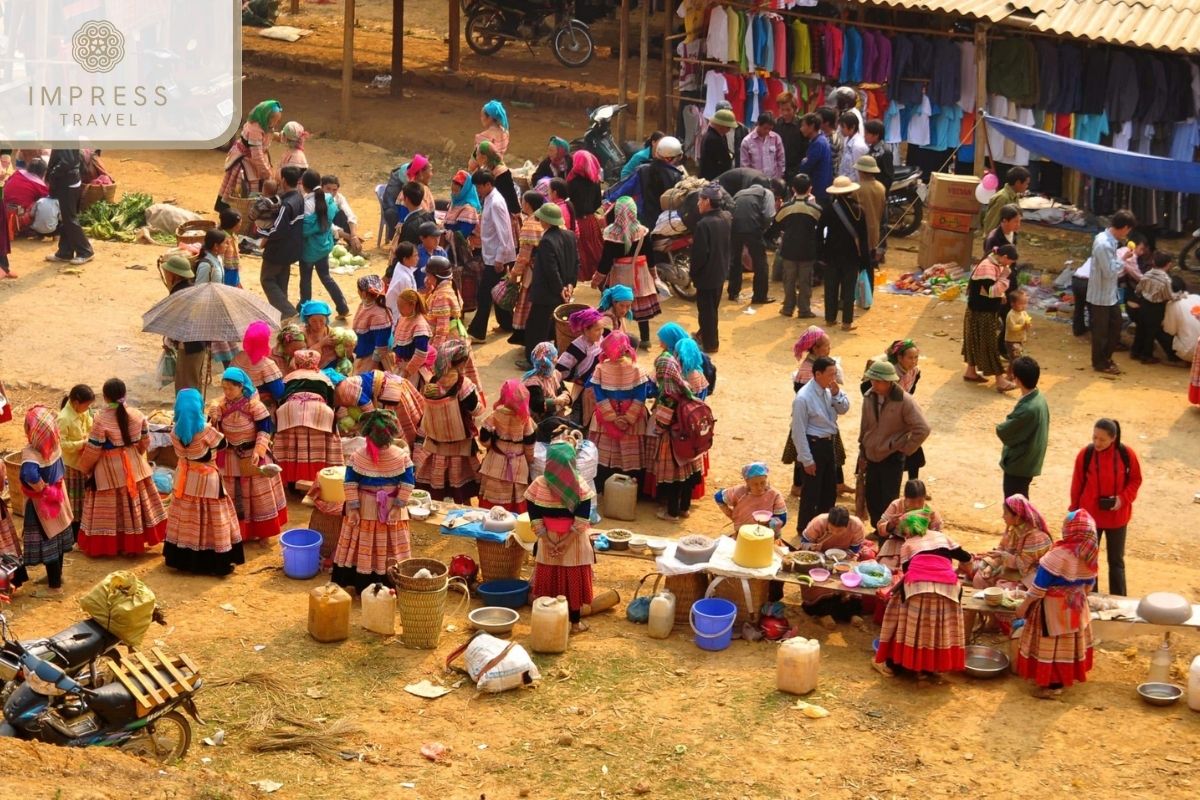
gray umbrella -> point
(213, 312)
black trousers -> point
(1016, 484)
(335, 292)
(1079, 321)
(538, 328)
(1114, 551)
(1106, 333)
(758, 257)
(839, 292)
(483, 304)
(707, 302)
(818, 492)
(1149, 330)
(72, 241)
(883, 484)
(677, 496)
(54, 573)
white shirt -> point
(966, 97)
(343, 205)
(852, 149)
(716, 45)
(495, 231)
(1084, 272)
(918, 124)
(402, 278)
(714, 90)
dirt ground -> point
(620, 715)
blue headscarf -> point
(755, 469)
(495, 110)
(189, 415)
(235, 375)
(467, 196)
(334, 376)
(314, 308)
(671, 335)
(543, 356)
(616, 294)
(688, 353)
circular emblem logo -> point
(98, 46)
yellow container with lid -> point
(524, 530)
(332, 481)
(755, 547)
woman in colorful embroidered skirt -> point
(1056, 642)
(411, 336)
(583, 184)
(547, 397)
(463, 216)
(445, 313)
(915, 499)
(615, 303)
(373, 326)
(625, 261)
(754, 498)
(248, 163)
(122, 512)
(445, 455)
(528, 237)
(203, 536)
(618, 427)
(374, 390)
(508, 435)
(255, 360)
(575, 364)
(47, 536)
(986, 298)
(673, 482)
(923, 628)
(9, 544)
(74, 425)
(379, 480)
(257, 493)
(1026, 539)
(560, 505)
(306, 440)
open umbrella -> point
(212, 312)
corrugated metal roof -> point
(990, 10)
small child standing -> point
(1154, 291)
(230, 222)
(1017, 326)
(266, 205)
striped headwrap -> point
(41, 429)
(289, 335)
(371, 285)
(807, 341)
(543, 356)
(380, 428)
(449, 355)
(1022, 509)
(306, 359)
(1076, 555)
(562, 476)
(625, 227)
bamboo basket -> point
(562, 324)
(93, 193)
(402, 575)
(242, 206)
(192, 232)
(330, 528)
(687, 590)
(731, 589)
(498, 561)
(12, 469)
(421, 615)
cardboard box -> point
(957, 221)
(953, 192)
(947, 247)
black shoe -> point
(763, 302)
(803, 315)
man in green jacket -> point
(1025, 431)
(1016, 184)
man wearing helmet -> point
(658, 176)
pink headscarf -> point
(542, 187)
(1019, 506)
(807, 341)
(583, 319)
(515, 397)
(418, 163)
(586, 165)
(616, 346)
(257, 341)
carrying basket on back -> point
(12, 469)
(562, 324)
(192, 232)
(687, 589)
(242, 206)
(403, 575)
(192, 257)
(500, 560)
(95, 192)
(422, 613)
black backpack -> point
(1090, 451)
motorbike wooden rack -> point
(141, 676)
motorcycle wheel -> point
(905, 220)
(682, 284)
(573, 45)
(166, 740)
(1189, 256)
(482, 31)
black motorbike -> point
(491, 23)
(599, 141)
(1189, 256)
(905, 208)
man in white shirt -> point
(815, 410)
(854, 146)
(404, 276)
(499, 252)
(344, 219)
(1103, 296)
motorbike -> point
(490, 24)
(674, 262)
(599, 141)
(54, 707)
(904, 205)
(1189, 256)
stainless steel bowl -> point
(986, 662)
(495, 620)
(1160, 694)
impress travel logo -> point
(118, 74)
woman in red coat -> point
(1105, 483)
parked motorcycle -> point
(599, 141)
(905, 208)
(491, 23)
(1189, 256)
(674, 263)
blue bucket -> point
(506, 592)
(712, 622)
(301, 553)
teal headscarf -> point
(189, 415)
(314, 308)
(262, 112)
(334, 376)
(616, 294)
(688, 353)
(560, 143)
(495, 110)
(235, 375)
(466, 196)
(671, 335)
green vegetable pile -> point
(341, 257)
(119, 221)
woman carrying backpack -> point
(1105, 483)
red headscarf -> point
(515, 397)
(1076, 556)
(584, 164)
(257, 341)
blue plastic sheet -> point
(472, 530)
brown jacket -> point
(899, 428)
(873, 199)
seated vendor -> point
(915, 498)
(837, 530)
(754, 502)
(1015, 559)
(22, 192)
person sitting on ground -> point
(837, 529)
(755, 502)
(344, 219)
(22, 192)
(915, 500)
(1154, 291)
(557, 162)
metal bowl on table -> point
(986, 662)
(1160, 694)
(495, 620)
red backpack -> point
(691, 431)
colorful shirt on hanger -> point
(779, 30)
(852, 56)
(714, 91)
(1090, 127)
(802, 57)
(966, 77)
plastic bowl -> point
(495, 620)
(851, 579)
(507, 593)
(835, 555)
(418, 513)
(818, 574)
(993, 595)
(1160, 694)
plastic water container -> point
(662, 615)
(301, 553)
(1194, 685)
(797, 665)
(712, 622)
(620, 497)
(379, 609)
(524, 529)
(550, 627)
(329, 613)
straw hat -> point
(550, 214)
(724, 118)
(867, 164)
(882, 370)
(842, 185)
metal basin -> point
(1160, 694)
(495, 620)
(986, 662)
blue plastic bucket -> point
(712, 622)
(301, 553)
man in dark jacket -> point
(844, 250)
(285, 243)
(873, 136)
(753, 211)
(799, 221)
(817, 163)
(658, 176)
(555, 273)
(709, 262)
(397, 178)
(787, 125)
(64, 176)
(715, 156)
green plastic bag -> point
(122, 605)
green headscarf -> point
(915, 523)
(262, 112)
(489, 155)
(563, 477)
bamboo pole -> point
(664, 105)
(347, 63)
(397, 48)
(643, 49)
(623, 71)
(455, 54)
(980, 96)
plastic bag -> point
(638, 610)
(122, 605)
(863, 294)
(513, 670)
(506, 293)
(166, 368)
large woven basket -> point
(192, 232)
(402, 575)
(562, 324)
(498, 561)
(687, 590)
(12, 468)
(242, 206)
(421, 615)
(330, 528)
(93, 193)
(731, 589)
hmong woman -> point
(1026, 539)
(255, 360)
(528, 238)
(445, 453)
(294, 136)
(547, 395)
(9, 544)
(583, 183)
(502, 180)
(836, 529)
(915, 500)
(673, 481)
(243, 420)
(203, 536)
(248, 162)
(618, 426)
(74, 424)
(625, 260)
(508, 435)
(923, 628)
(372, 325)
(379, 480)
(289, 340)
(557, 162)
(445, 312)
(318, 336)
(753, 499)
(1194, 384)
(123, 514)
(411, 336)
(306, 441)
(575, 364)
(986, 292)
(560, 505)
(370, 391)
(494, 119)
(463, 216)
(1056, 642)
(616, 303)
(47, 535)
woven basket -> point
(498, 561)
(402, 575)
(421, 615)
(93, 193)
(731, 589)
(562, 324)
(12, 468)
(242, 206)
(192, 232)
(687, 590)
(330, 528)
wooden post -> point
(643, 50)
(980, 97)
(664, 99)
(623, 71)
(397, 47)
(347, 63)
(295, 9)
(455, 36)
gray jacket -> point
(753, 210)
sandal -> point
(974, 379)
(883, 669)
(665, 517)
(580, 627)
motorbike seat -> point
(903, 171)
(113, 702)
(80, 643)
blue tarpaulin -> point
(1135, 169)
